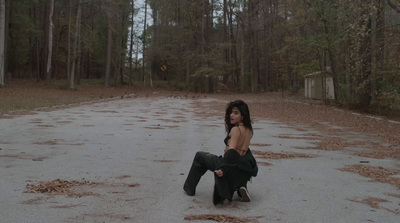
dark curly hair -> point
(244, 111)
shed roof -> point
(318, 73)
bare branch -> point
(394, 6)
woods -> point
(208, 45)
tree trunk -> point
(79, 51)
(225, 38)
(69, 44)
(245, 25)
(7, 75)
(2, 40)
(76, 48)
(50, 42)
(393, 6)
(233, 38)
(109, 51)
(131, 44)
(377, 45)
(203, 32)
(254, 46)
(38, 43)
(364, 99)
(144, 41)
(267, 48)
(242, 60)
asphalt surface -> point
(138, 152)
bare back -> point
(240, 139)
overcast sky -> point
(139, 18)
(139, 24)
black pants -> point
(202, 162)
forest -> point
(209, 45)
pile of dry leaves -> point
(272, 155)
(59, 187)
(221, 218)
(378, 174)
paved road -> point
(138, 152)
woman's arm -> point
(235, 134)
(228, 163)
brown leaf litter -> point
(221, 218)
(260, 144)
(264, 164)
(98, 216)
(58, 142)
(374, 202)
(330, 144)
(272, 155)
(287, 136)
(393, 195)
(68, 205)
(36, 200)
(378, 151)
(172, 120)
(24, 157)
(68, 188)
(166, 161)
(154, 127)
(379, 173)
(371, 201)
(57, 187)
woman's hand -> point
(243, 152)
(219, 173)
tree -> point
(76, 48)
(131, 41)
(267, 45)
(251, 45)
(233, 36)
(112, 14)
(144, 43)
(50, 41)
(2, 40)
(254, 54)
(393, 5)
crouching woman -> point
(234, 169)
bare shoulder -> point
(235, 130)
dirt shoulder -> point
(28, 95)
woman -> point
(236, 167)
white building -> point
(319, 85)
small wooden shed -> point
(319, 85)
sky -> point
(139, 18)
(139, 24)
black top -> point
(228, 137)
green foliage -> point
(387, 102)
(204, 72)
(22, 34)
(387, 94)
(307, 67)
(203, 79)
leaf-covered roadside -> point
(25, 96)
